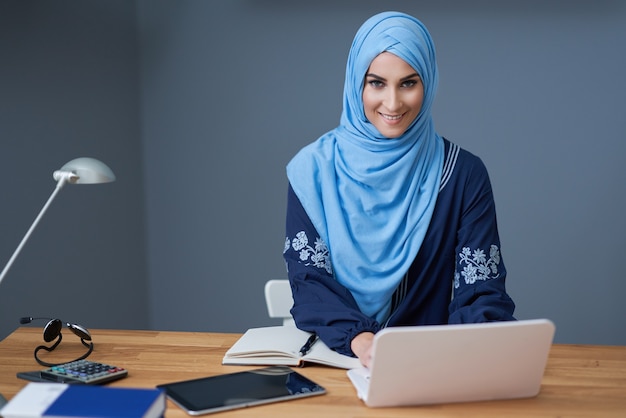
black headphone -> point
(52, 330)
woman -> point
(389, 224)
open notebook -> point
(280, 345)
(455, 363)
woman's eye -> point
(375, 83)
(410, 83)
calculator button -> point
(84, 371)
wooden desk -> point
(580, 381)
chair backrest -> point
(279, 300)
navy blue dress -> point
(458, 276)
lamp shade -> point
(78, 171)
(85, 170)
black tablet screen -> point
(236, 390)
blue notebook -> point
(63, 400)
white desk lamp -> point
(78, 171)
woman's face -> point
(392, 94)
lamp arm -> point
(63, 178)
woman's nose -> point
(392, 100)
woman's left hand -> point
(361, 346)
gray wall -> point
(68, 89)
(212, 98)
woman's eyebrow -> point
(408, 77)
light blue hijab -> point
(371, 198)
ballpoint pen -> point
(308, 344)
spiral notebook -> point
(455, 363)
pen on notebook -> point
(308, 344)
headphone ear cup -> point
(80, 331)
(52, 330)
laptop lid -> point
(456, 363)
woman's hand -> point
(361, 346)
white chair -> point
(279, 300)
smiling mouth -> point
(391, 118)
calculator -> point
(77, 372)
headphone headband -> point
(52, 330)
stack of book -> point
(61, 400)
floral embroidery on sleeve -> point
(316, 255)
(476, 265)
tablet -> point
(238, 390)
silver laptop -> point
(455, 363)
